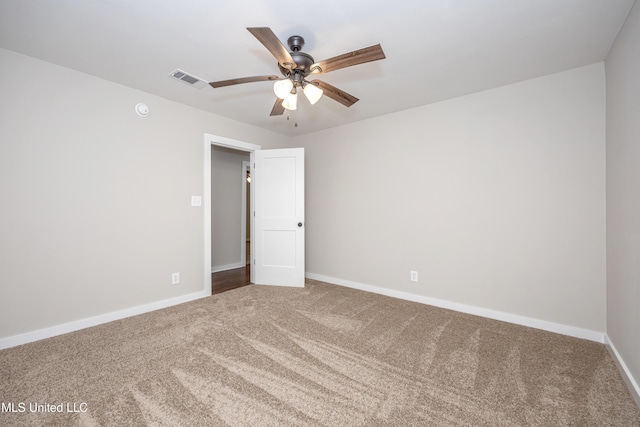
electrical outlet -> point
(414, 276)
(175, 278)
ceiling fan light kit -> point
(296, 65)
(282, 88)
(291, 101)
(312, 92)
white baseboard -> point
(632, 384)
(227, 267)
(477, 311)
(65, 328)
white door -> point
(279, 217)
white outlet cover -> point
(196, 201)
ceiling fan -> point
(296, 65)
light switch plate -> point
(196, 201)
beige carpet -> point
(319, 356)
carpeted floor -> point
(322, 355)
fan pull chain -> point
(295, 125)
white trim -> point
(477, 311)
(227, 267)
(206, 204)
(246, 167)
(632, 384)
(230, 143)
(76, 325)
(252, 218)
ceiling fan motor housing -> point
(303, 60)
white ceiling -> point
(436, 49)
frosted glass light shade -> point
(291, 101)
(313, 93)
(282, 88)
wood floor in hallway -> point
(230, 279)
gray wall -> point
(96, 210)
(623, 193)
(497, 199)
(227, 216)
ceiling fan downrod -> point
(295, 43)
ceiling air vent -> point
(188, 79)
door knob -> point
(299, 224)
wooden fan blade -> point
(278, 108)
(360, 56)
(243, 80)
(336, 94)
(273, 45)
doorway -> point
(277, 222)
(233, 278)
(240, 146)
(229, 230)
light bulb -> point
(291, 101)
(282, 88)
(313, 93)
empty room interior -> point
(439, 216)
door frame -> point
(246, 167)
(221, 141)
